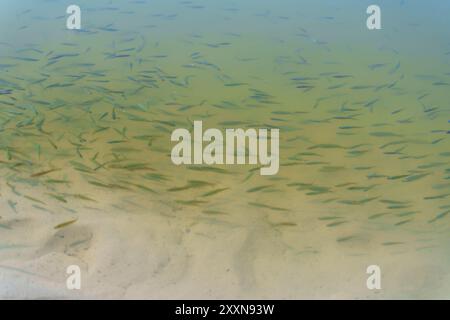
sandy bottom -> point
(145, 256)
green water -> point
(86, 118)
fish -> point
(42, 173)
(65, 224)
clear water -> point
(86, 118)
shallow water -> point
(86, 118)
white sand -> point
(144, 254)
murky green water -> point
(86, 118)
